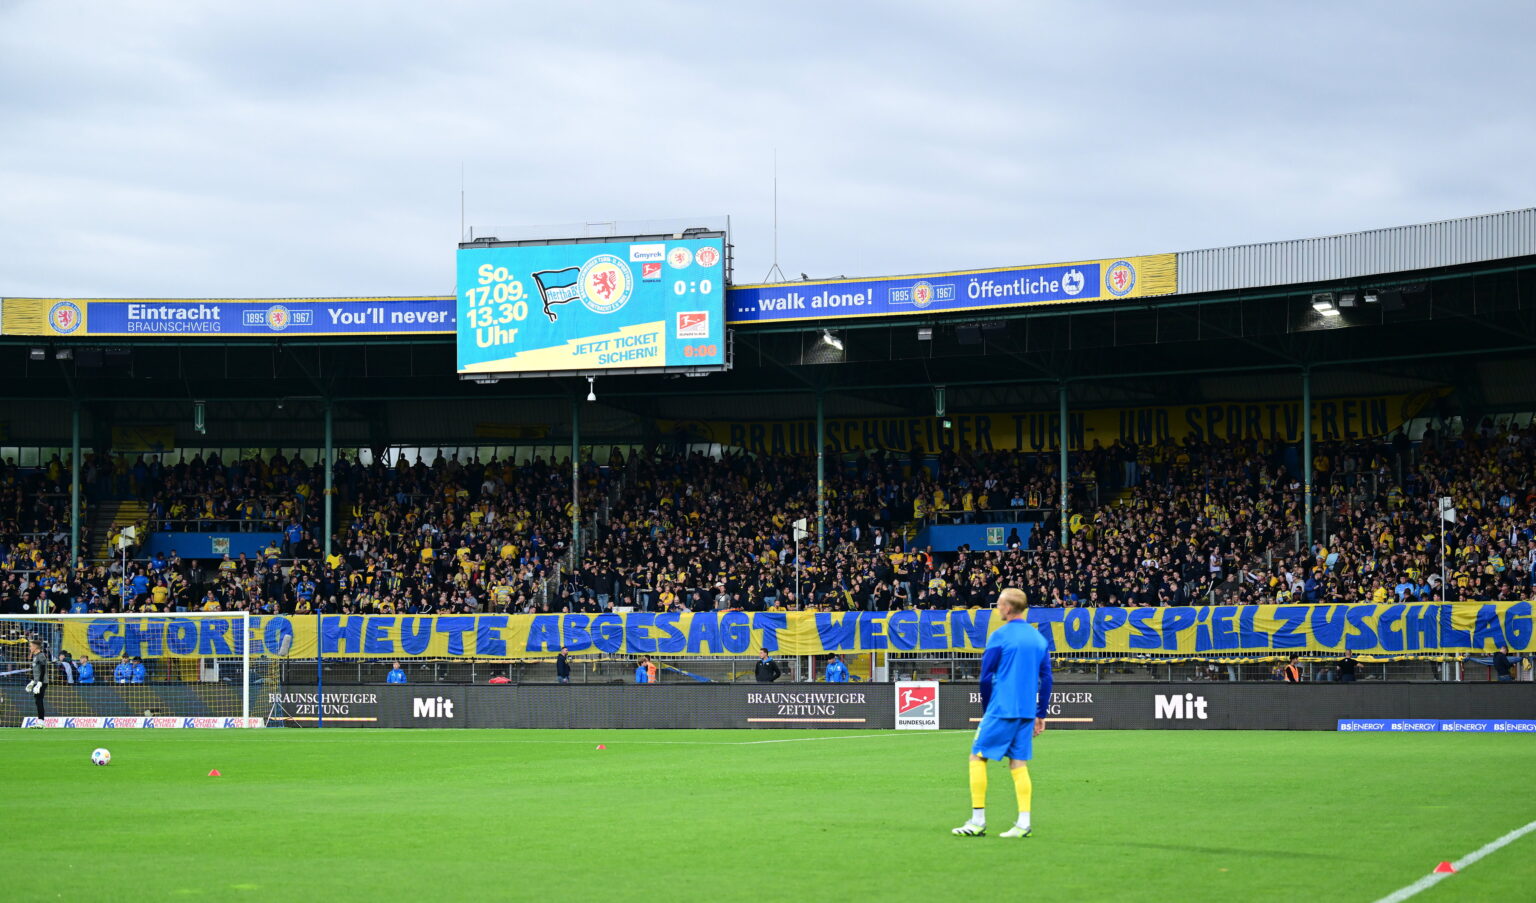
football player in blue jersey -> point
(1015, 692)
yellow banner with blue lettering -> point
(1203, 632)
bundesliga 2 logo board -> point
(588, 306)
(917, 705)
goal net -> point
(129, 670)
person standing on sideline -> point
(1347, 668)
(1015, 693)
(837, 672)
(39, 683)
(123, 673)
(767, 669)
(563, 666)
(642, 673)
(652, 671)
(396, 675)
(1292, 672)
(67, 665)
(137, 672)
(1503, 666)
(87, 671)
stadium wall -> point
(1160, 706)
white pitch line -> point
(847, 737)
(500, 740)
(311, 738)
(1434, 878)
(622, 741)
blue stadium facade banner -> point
(595, 306)
(938, 293)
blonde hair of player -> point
(1012, 603)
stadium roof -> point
(1360, 255)
(1451, 303)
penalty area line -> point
(1434, 878)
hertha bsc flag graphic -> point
(558, 287)
(917, 705)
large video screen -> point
(588, 307)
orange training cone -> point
(214, 774)
(1445, 868)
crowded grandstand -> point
(1167, 524)
(1418, 486)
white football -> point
(101, 757)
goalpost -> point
(171, 669)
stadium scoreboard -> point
(645, 303)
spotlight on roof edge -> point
(830, 339)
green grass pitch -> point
(664, 816)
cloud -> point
(181, 149)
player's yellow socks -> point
(978, 783)
(1023, 787)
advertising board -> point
(615, 306)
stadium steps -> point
(110, 515)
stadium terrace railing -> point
(945, 516)
(218, 524)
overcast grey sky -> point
(185, 149)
